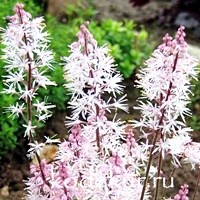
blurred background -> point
(130, 28)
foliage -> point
(82, 10)
(8, 126)
(128, 46)
(60, 33)
(194, 120)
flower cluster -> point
(165, 83)
(91, 73)
(27, 58)
(100, 160)
(166, 89)
(183, 193)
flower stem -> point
(197, 185)
(29, 105)
(164, 191)
(159, 172)
(149, 165)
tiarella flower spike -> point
(27, 58)
(165, 83)
(93, 163)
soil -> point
(14, 166)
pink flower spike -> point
(183, 193)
